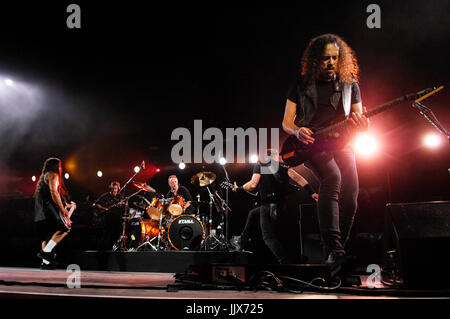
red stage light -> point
(158, 170)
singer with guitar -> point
(327, 90)
(273, 190)
(52, 212)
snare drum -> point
(176, 206)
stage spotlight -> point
(181, 165)
(33, 178)
(99, 173)
(432, 140)
(137, 169)
(66, 175)
(366, 145)
(254, 158)
(222, 161)
(158, 170)
(9, 82)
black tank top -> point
(44, 207)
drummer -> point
(179, 190)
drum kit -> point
(163, 224)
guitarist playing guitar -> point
(52, 213)
(327, 90)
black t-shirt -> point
(273, 187)
(325, 112)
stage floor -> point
(37, 283)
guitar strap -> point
(347, 98)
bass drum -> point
(138, 231)
(186, 232)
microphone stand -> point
(430, 117)
(227, 233)
(131, 178)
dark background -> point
(111, 93)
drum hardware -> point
(119, 243)
(127, 217)
(212, 241)
(227, 233)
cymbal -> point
(203, 179)
(144, 187)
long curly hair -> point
(348, 68)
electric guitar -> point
(228, 185)
(66, 219)
(337, 134)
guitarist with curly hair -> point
(327, 90)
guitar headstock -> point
(226, 184)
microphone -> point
(143, 165)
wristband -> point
(240, 188)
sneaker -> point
(51, 256)
(49, 266)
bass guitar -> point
(66, 219)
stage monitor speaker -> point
(418, 234)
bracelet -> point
(240, 188)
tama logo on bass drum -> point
(185, 221)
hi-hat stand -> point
(214, 241)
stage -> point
(107, 286)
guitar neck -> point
(230, 186)
(375, 111)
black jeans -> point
(266, 216)
(252, 228)
(338, 196)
